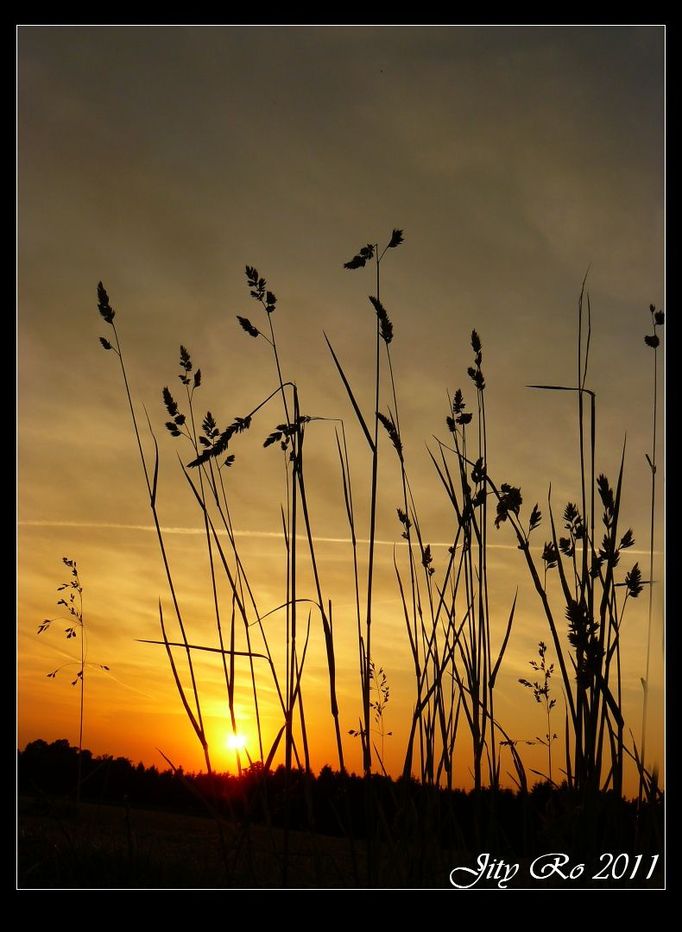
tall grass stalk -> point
(653, 341)
(587, 584)
(151, 479)
(364, 255)
(73, 605)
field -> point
(172, 830)
(109, 847)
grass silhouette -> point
(71, 602)
(448, 618)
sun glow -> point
(236, 742)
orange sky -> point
(162, 160)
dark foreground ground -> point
(140, 828)
(107, 847)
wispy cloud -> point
(273, 535)
(75, 660)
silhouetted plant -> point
(72, 603)
(467, 651)
(378, 704)
(384, 333)
(380, 689)
(456, 647)
(541, 691)
(194, 713)
(652, 340)
(588, 587)
(212, 488)
(290, 437)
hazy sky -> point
(162, 160)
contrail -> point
(108, 673)
(273, 535)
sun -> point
(236, 742)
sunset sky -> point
(161, 160)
